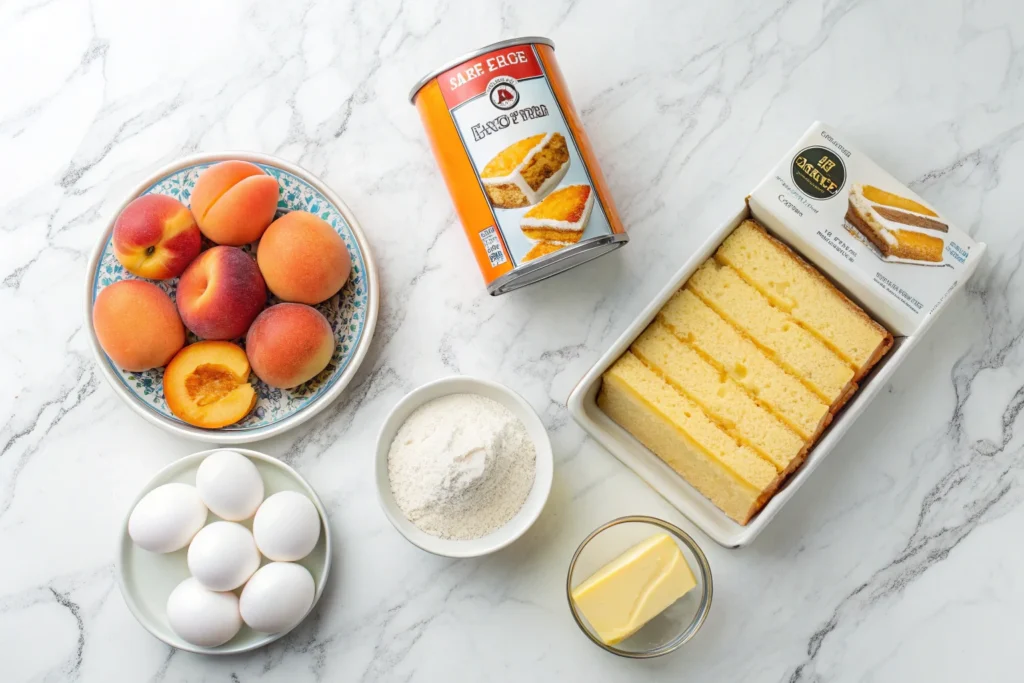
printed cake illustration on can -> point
(518, 164)
(558, 221)
(526, 171)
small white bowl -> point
(538, 496)
(147, 579)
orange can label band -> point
(518, 165)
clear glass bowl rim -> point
(706, 581)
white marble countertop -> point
(900, 559)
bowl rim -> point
(185, 462)
(502, 536)
(306, 412)
(702, 610)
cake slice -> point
(541, 249)
(801, 291)
(690, 319)
(794, 348)
(675, 429)
(897, 226)
(722, 399)
(526, 171)
(562, 217)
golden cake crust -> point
(505, 161)
(541, 249)
(566, 204)
(886, 336)
(876, 195)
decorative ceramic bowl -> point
(147, 579)
(352, 312)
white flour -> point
(461, 466)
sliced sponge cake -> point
(722, 399)
(691, 320)
(796, 288)
(734, 380)
(797, 350)
(732, 476)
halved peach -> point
(207, 384)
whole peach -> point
(289, 344)
(303, 259)
(220, 293)
(156, 237)
(234, 202)
(137, 325)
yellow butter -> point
(634, 588)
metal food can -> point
(518, 165)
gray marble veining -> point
(898, 561)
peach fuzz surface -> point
(234, 202)
(137, 325)
(155, 237)
(303, 259)
(289, 344)
(221, 293)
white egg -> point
(230, 485)
(286, 527)
(223, 556)
(277, 597)
(202, 616)
(167, 518)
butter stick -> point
(634, 588)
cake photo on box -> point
(741, 371)
(897, 226)
(526, 171)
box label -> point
(869, 232)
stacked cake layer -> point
(558, 221)
(742, 369)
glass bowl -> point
(669, 630)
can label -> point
(525, 158)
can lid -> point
(557, 262)
(525, 40)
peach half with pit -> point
(234, 202)
(221, 293)
(207, 384)
(289, 344)
(137, 325)
(156, 237)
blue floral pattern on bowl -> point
(346, 311)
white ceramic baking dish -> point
(582, 405)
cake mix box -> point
(885, 245)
